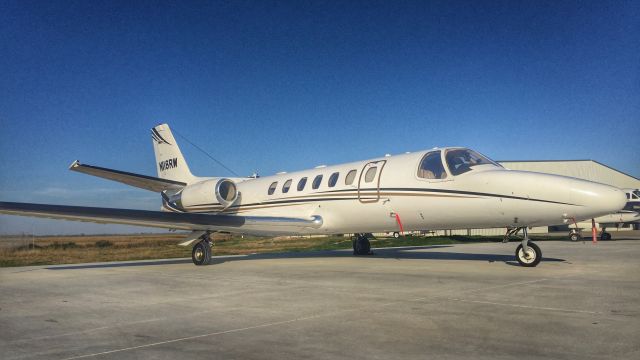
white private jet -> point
(441, 188)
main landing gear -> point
(574, 235)
(528, 254)
(201, 252)
(361, 245)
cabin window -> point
(302, 183)
(431, 167)
(316, 182)
(351, 176)
(272, 188)
(286, 186)
(370, 174)
(333, 179)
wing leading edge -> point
(161, 219)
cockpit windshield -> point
(460, 161)
(637, 194)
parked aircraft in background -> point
(633, 200)
(629, 214)
(441, 188)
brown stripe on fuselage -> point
(284, 202)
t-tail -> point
(173, 171)
(170, 163)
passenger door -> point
(369, 182)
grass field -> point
(49, 250)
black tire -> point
(529, 261)
(396, 235)
(605, 236)
(575, 237)
(201, 253)
(361, 246)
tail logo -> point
(158, 138)
(168, 164)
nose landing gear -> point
(528, 254)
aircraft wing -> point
(142, 181)
(161, 219)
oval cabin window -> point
(302, 183)
(370, 174)
(351, 176)
(316, 182)
(333, 179)
(286, 186)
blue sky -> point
(274, 86)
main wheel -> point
(201, 253)
(531, 258)
(605, 236)
(361, 246)
(574, 236)
(396, 234)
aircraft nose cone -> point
(600, 199)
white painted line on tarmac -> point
(202, 335)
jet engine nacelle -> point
(211, 195)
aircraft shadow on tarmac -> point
(400, 253)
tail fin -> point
(169, 160)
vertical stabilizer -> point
(169, 160)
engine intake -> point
(226, 192)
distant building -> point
(582, 169)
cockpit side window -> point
(460, 161)
(431, 166)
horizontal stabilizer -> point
(160, 219)
(141, 181)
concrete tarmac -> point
(445, 302)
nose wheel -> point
(528, 254)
